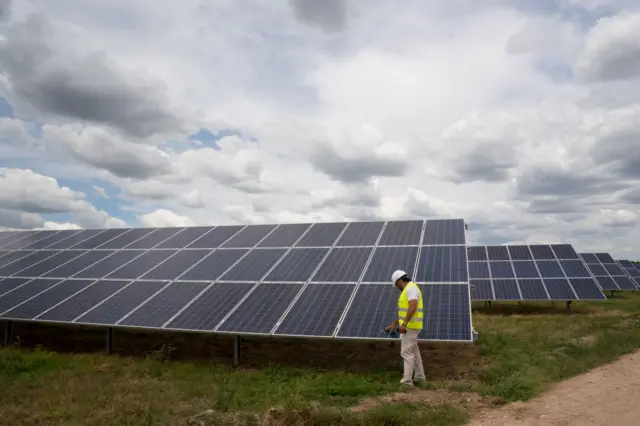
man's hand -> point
(402, 329)
(390, 328)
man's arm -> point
(413, 305)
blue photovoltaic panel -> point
(444, 232)
(586, 289)
(54, 238)
(28, 240)
(447, 312)
(385, 260)
(83, 261)
(550, 269)
(559, 289)
(479, 270)
(107, 265)
(13, 256)
(614, 270)
(476, 253)
(607, 283)
(624, 283)
(215, 237)
(589, 258)
(9, 284)
(164, 305)
(482, 290)
(373, 308)
(317, 310)
(206, 312)
(343, 265)
(506, 290)
(260, 312)
(625, 264)
(361, 234)
(604, 258)
(111, 310)
(214, 265)
(542, 252)
(51, 297)
(597, 270)
(176, 265)
(153, 239)
(575, 269)
(520, 253)
(25, 262)
(126, 239)
(254, 265)
(74, 239)
(564, 251)
(99, 239)
(39, 269)
(321, 235)
(525, 269)
(16, 237)
(402, 233)
(442, 264)
(533, 290)
(75, 306)
(297, 265)
(184, 238)
(285, 235)
(501, 270)
(249, 236)
(498, 253)
(24, 292)
(141, 264)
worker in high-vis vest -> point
(409, 323)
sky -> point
(520, 116)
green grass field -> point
(169, 379)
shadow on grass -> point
(531, 308)
(442, 360)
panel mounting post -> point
(236, 350)
(110, 340)
(7, 333)
(569, 306)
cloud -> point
(611, 49)
(329, 15)
(163, 217)
(45, 70)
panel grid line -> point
(170, 281)
(535, 262)
(336, 330)
(295, 300)
(35, 295)
(515, 275)
(25, 238)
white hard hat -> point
(397, 275)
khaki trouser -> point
(413, 368)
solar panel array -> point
(535, 272)
(608, 274)
(631, 271)
(320, 280)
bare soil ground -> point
(607, 395)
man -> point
(409, 323)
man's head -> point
(400, 279)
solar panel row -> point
(293, 280)
(632, 272)
(539, 272)
(339, 264)
(342, 234)
(608, 274)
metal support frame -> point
(7, 333)
(569, 306)
(236, 350)
(110, 340)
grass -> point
(169, 379)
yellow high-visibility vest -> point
(403, 306)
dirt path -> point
(608, 395)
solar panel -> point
(608, 274)
(631, 271)
(537, 272)
(314, 280)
